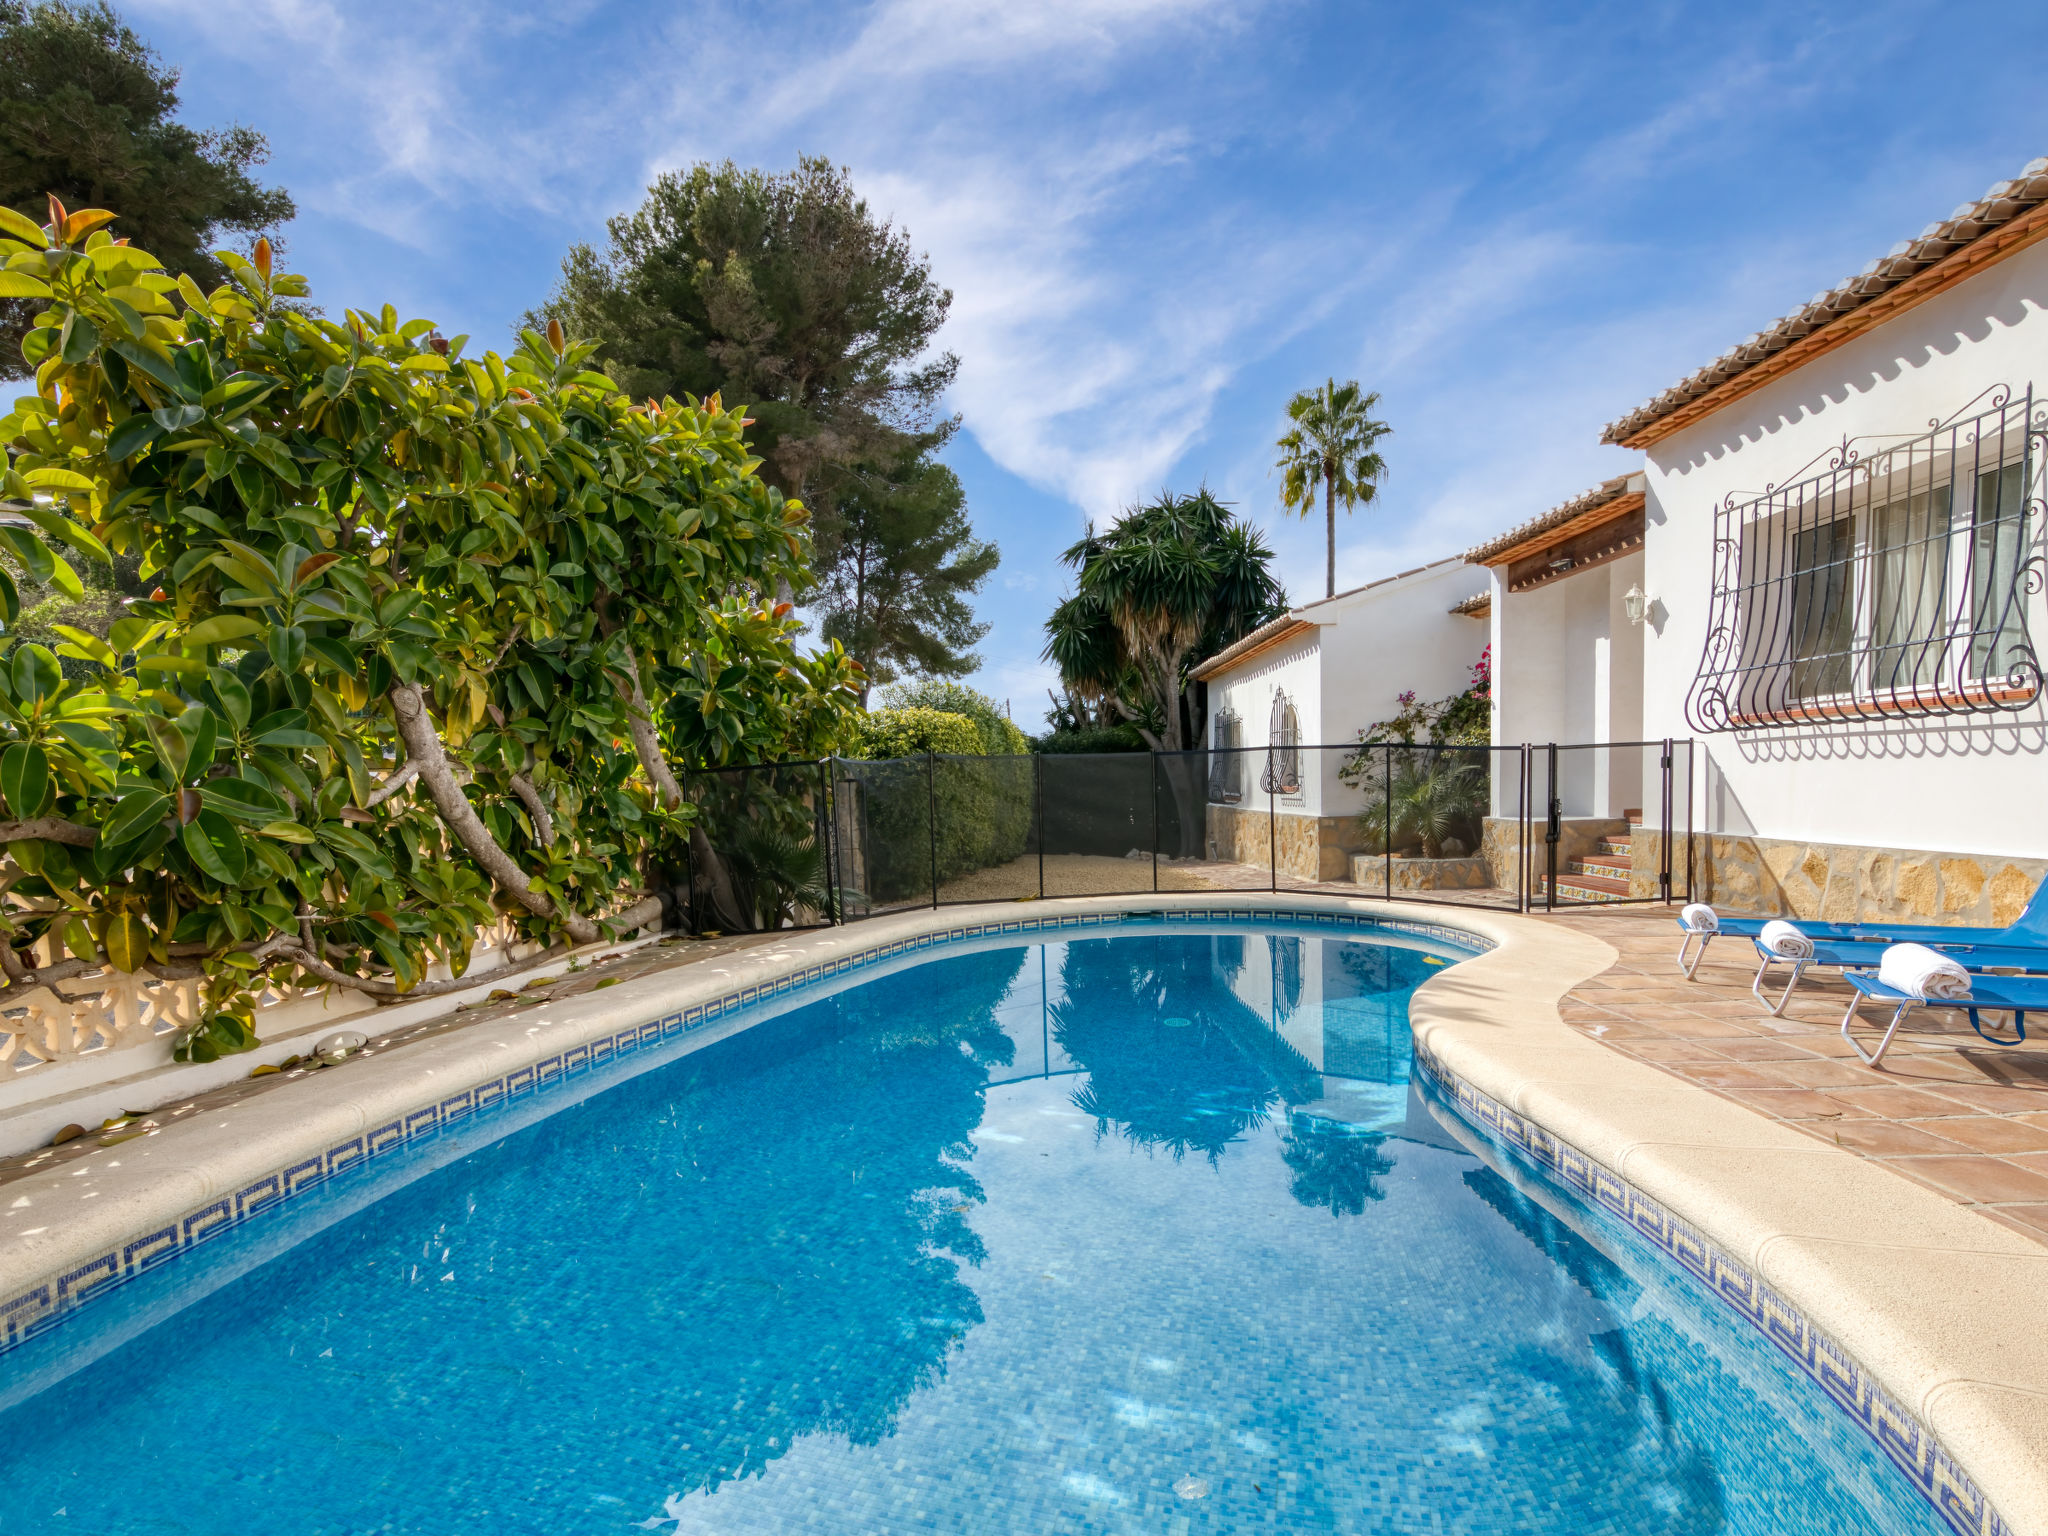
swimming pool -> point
(1151, 1232)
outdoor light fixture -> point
(1635, 604)
(1563, 563)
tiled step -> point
(1569, 889)
(1611, 868)
(1617, 847)
(1585, 885)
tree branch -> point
(423, 746)
(392, 785)
(48, 829)
(543, 823)
(646, 742)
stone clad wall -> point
(1838, 883)
(1307, 847)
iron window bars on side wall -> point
(1895, 582)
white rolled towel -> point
(1698, 917)
(1923, 973)
(1785, 941)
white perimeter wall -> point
(1967, 783)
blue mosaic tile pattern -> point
(1904, 1440)
(51, 1301)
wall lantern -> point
(1635, 604)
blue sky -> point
(1159, 218)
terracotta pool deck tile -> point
(1990, 1133)
(1945, 1109)
(1992, 1098)
(1896, 1103)
(2029, 1219)
(1736, 1074)
(1977, 1180)
(1892, 1138)
(1796, 1104)
(1766, 1049)
(1662, 1051)
(1826, 1072)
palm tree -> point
(1334, 445)
(1173, 581)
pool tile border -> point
(1905, 1441)
(51, 1301)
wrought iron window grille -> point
(1895, 581)
(1226, 765)
(1283, 755)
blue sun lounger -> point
(1990, 994)
(2028, 931)
(1868, 952)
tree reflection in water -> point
(1335, 1165)
(802, 1224)
(1183, 1086)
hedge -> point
(983, 802)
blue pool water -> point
(1149, 1233)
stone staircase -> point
(1600, 876)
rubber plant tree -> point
(402, 673)
(1333, 447)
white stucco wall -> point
(1294, 666)
(1394, 637)
(1369, 647)
(1964, 783)
(1568, 668)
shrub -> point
(413, 620)
(999, 734)
(1108, 738)
(983, 802)
(883, 733)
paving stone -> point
(1946, 1110)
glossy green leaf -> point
(137, 810)
(215, 846)
(223, 629)
(25, 780)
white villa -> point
(1320, 674)
(1828, 574)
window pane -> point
(1909, 542)
(1998, 525)
(1821, 621)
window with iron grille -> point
(1283, 755)
(1226, 763)
(1897, 581)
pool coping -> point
(1897, 1301)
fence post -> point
(1038, 799)
(831, 849)
(1387, 831)
(689, 864)
(1664, 832)
(1553, 829)
(1691, 750)
(931, 767)
(1155, 822)
(1524, 799)
(1272, 824)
